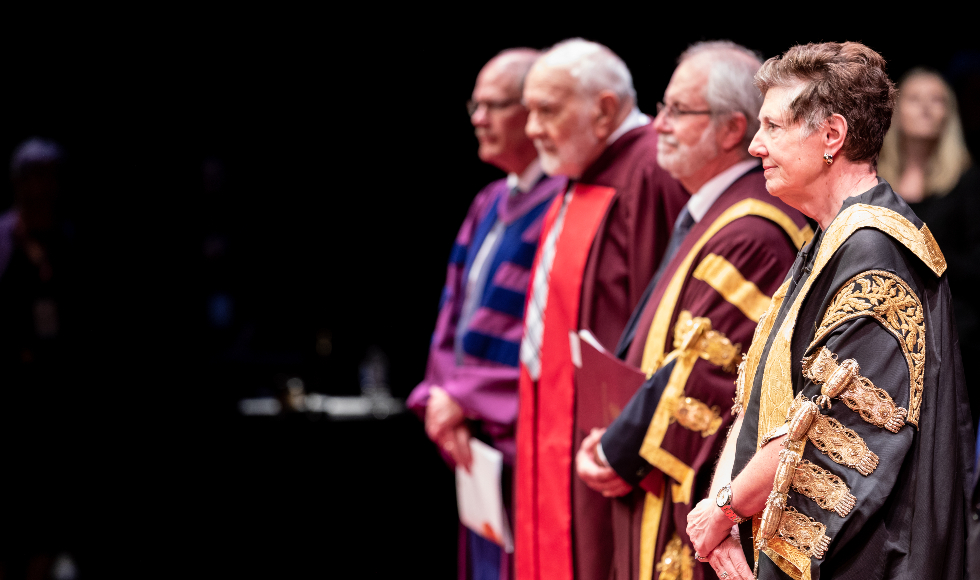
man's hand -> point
(445, 427)
(600, 478)
(728, 560)
(707, 526)
(442, 414)
(457, 445)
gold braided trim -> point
(675, 406)
(806, 534)
(655, 349)
(790, 559)
(677, 562)
(842, 445)
(650, 450)
(692, 414)
(889, 300)
(725, 278)
(777, 386)
(695, 334)
(737, 406)
(829, 491)
(649, 528)
(874, 405)
(772, 515)
(777, 432)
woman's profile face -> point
(791, 163)
(922, 107)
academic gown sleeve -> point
(883, 317)
(485, 392)
(731, 281)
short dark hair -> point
(844, 78)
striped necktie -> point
(534, 319)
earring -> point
(828, 158)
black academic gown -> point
(881, 299)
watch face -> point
(724, 496)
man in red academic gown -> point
(689, 335)
(601, 243)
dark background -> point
(308, 173)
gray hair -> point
(594, 66)
(731, 81)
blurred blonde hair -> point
(950, 158)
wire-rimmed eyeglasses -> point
(472, 106)
(673, 111)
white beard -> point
(571, 158)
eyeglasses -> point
(673, 111)
(472, 106)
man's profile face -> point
(686, 142)
(560, 121)
(499, 119)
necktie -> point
(534, 319)
(681, 227)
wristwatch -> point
(724, 501)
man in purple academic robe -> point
(470, 385)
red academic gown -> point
(616, 229)
(725, 271)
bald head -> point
(511, 66)
(497, 113)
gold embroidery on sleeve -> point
(766, 526)
(806, 534)
(889, 300)
(737, 404)
(725, 278)
(829, 491)
(695, 334)
(842, 445)
(801, 415)
(695, 415)
(874, 405)
(656, 340)
(777, 386)
(677, 562)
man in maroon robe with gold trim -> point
(689, 335)
(601, 243)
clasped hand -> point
(445, 426)
(602, 479)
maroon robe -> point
(570, 529)
(758, 235)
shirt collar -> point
(526, 180)
(701, 201)
(632, 121)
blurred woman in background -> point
(924, 157)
